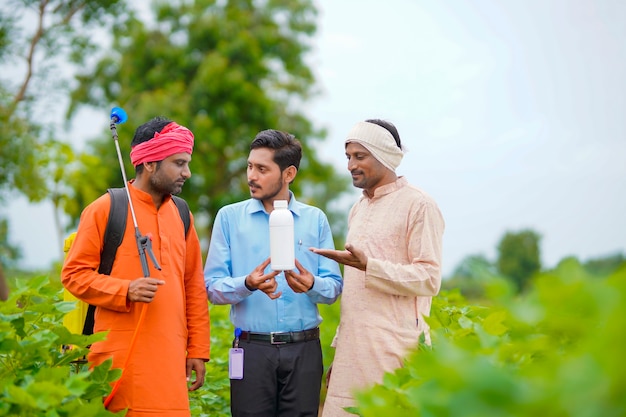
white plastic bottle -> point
(282, 253)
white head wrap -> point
(378, 141)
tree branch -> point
(20, 96)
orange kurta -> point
(176, 324)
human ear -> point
(289, 174)
(149, 166)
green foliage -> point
(473, 277)
(555, 351)
(37, 376)
(213, 399)
(226, 70)
(519, 256)
(57, 30)
(20, 152)
(604, 265)
(8, 252)
(330, 315)
(36, 38)
(71, 191)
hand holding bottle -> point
(259, 280)
(301, 281)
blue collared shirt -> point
(240, 242)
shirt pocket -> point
(308, 259)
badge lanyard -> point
(235, 358)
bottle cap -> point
(280, 204)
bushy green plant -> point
(213, 399)
(37, 377)
(555, 351)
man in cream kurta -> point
(392, 266)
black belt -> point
(280, 338)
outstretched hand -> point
(352, 256)
(259, 280)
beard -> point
(164, 186)
(361, 181)
(267, 193)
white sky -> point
(513, 113)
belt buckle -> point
(275, 342)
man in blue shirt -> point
(276, 311)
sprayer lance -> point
(144, 242)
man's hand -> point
(258, 279)
(300, 282)
(143, 290)
(352, 256)
(198, 366)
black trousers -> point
(278, 380)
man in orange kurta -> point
(173, 341)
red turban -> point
(171, 140)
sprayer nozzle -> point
(118, 115)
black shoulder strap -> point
(116, 226)
(183, 209)
(113, 236)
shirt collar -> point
(388, 188)
(143, 196)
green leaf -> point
(47, 394)
(493, 324)
(18, 395)
(77, 384)
(19, 325)
(65, 306)
(465, 323)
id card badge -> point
(235, 363)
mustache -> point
(253, 184)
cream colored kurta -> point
(400, 229)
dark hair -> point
(390, 127)
(287, 149)
(145, 132)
